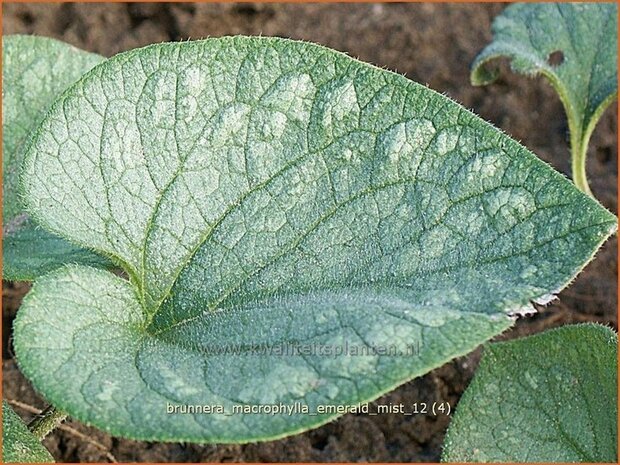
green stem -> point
(578, 164)
(46, 422)
(579, 134)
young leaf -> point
(264, 194)
(574, 45)
(35, 71)
(19, 445)
(551, 397)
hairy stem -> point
(46, 422)
(579, 149)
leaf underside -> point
(546, 398)
(19, 445)
(35, 71)
(574, 45)
(261, 193)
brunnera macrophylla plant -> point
(261, 193)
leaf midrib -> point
(386, 284)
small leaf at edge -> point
(35, 71)
(551, 397)
(19, 445)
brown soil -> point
(430, 43)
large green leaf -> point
(551, 397)
(35, 71)
(19, 445)
(574, 45)
(263, 193)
